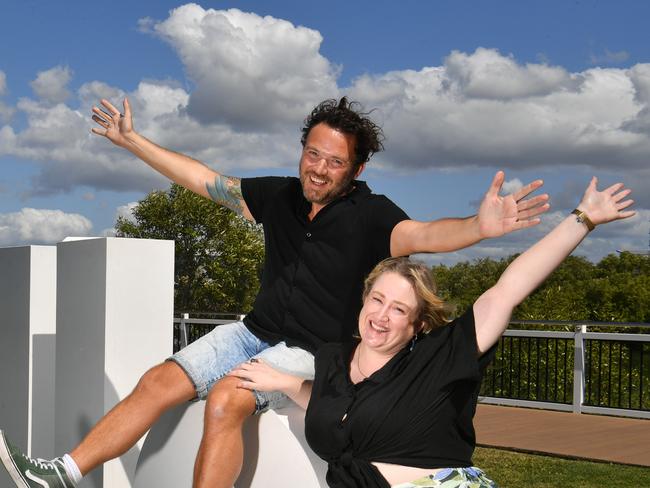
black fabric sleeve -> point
(455, 350)
(258, 191)
(383, 218)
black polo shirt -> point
(314, 270)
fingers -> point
(246, 385)
(609, 204)
(104, 119)
(536, 201)
(241, 373)
(254, 375)
(622, 205)
(626, 214)
(497, 181)
(114, 123)
(100, 120)
(111, 108)
(250, 366)
(527, 190)
(533, 212)
(611, 190)
(621, 195)
(101, 115)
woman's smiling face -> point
(386, 319)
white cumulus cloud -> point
(123, 211)
(250, 71)
(41, 226)
(488, 74)
(485, 109)
(126, 211)
(51, 85)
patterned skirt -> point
(452, 478)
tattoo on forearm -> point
(226, 191)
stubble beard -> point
(312, 195)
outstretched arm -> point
(493, 308)
(257, 375)
(497, 215)
(186, 171)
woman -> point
(395, 408)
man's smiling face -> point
(327, 165)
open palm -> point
(499, 215)
(115, 126)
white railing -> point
(588, 380)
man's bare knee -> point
(226, 403)
(166, 382)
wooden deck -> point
(583, 436)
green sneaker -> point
(32, 473)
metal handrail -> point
(185, 320)
(576, 323)
(579, 336)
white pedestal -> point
(27, 334)
(114, 321)
(276, 453)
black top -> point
(415, 411)
(314, 270)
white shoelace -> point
(49, 464)
(41, 463)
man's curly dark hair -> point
(348, 118)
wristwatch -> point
(583, 219)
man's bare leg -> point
(161, 388)
(221, 452)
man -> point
(323, 234)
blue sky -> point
(556, 89)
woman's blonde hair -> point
(432, 311)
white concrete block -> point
(27, 336)
(27, 332)
(276, 454)
(115, 321)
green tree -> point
(562, 295)
(218, 254)
(616, 289)
(621, 288)
(461, 284)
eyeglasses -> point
(314, 156)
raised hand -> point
(115, 126)
(607, 205)
(499, 215)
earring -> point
(413, 342)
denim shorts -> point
(210, 357)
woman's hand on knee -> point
(257, 375)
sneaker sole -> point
(9, 465)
